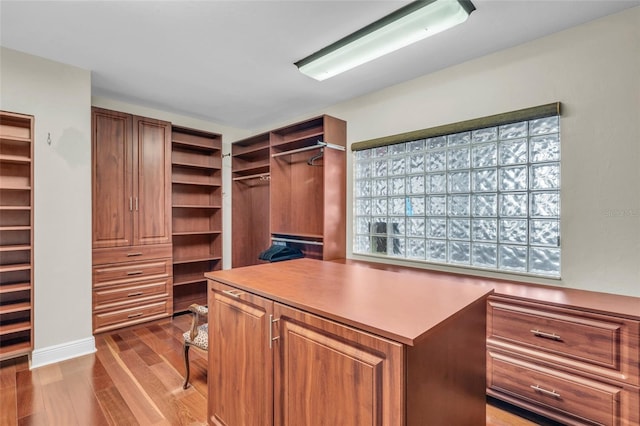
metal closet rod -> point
(318, 145)
(259, 175)
(291, 240)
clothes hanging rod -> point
(291, 240)
(262, 176)
(318, 145)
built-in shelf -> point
(195, 206)
(184, 182)
(195, 259)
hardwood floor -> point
(135, 378)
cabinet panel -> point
(134, 292)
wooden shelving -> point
(16, 234)
(197, 213)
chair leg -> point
(186, 365)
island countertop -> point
(401, 307)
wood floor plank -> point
(29, 392)
(8, 403)
(115, 408)
(58, 405)
(86, 407)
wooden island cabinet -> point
(320, 343)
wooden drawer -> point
(573, 338)
(131, 253)
(112, 296)
(105, 321)
(130, 272)
(571, 399)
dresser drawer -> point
(570, 398)
(112, 296)
(131, 253)
(105, 321)
(130, 272)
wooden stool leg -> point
(186, 365)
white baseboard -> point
(57, 353)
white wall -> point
(59, 97)
(594, 70)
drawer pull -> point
(544, 391)
(136, 253)
(135, 273)
(233, 293)
(137, 293)
(139, 314)
(552, 336)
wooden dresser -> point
(313, 342)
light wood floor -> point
(135, 378)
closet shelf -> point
(195, 206)
(15, 287)
(184, 182)
(17, 159)
(10, 308)
(178, 261)
(21, 247)
(15, 327)
(209, 232)
(15, 267)
(195, 165)
(195, 145)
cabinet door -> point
(329, 374)
(112, 188)
(240, 359)
(152, 180)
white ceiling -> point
(231, 62)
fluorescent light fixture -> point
(411, 23)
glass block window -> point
(486, 198)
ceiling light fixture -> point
(411, 23)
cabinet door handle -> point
(552, 336)
(271, 336)
(137, 293)
(139, 314)
(135, 253)
(136, 203)
(544, 391)
(130, 204)
(135, 272)
(233, 293)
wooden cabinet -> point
(291, 182)
(575, 366)
(16, 234)
(197, 213)
(131, 198)
(308, 342)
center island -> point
(309, 342)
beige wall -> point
(594, 70)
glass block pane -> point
(398, 148)
(379, 168)
(485, 205)
(379, 187)
(437, 250)
(545, 176)
(458, 158)
(363, 169)
(396, 186)
(543, 126)
(379, 206)
(363, 225)
(545, 204)
(484, 255)
(513, 231)
(363, 188)
(361, 244)
(379, 225)
(513, 205)
(415, 206)
(485, 155)
(513, 178)
(437, 205)
(416, 227)
(365, 154)
(513, 130)
(415, 184)
(437, 228)
(415, 145)
(545, 148)
(545, 261)
(379, 152)
(484, 135)
(459, 205)
(416, 248)
(378, 245)
(436, 183)
(434, 143)
(544, 233)
(458, 181)
(513, 258)
(459, 229)
(459, 138)
(485, 230)
(397, 206)
(436, 161)
(513, 152)
(459, 252)
(416, 163)
(484, 180)
(363, 206)
(396, 166)
(396, 246)
(396, 226)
